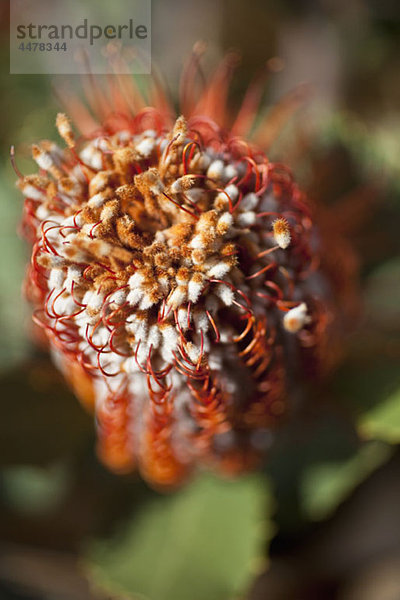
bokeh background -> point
(325, 509)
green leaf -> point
(33, 490)
(375, 148)
(201, 543)
(13, 259)
(324, 486)
(41, 420)
(383, 421)
(366, 383)
(381, 307)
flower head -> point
(173, 267)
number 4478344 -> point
(42, 46)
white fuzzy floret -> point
(32, 192)
(296, 318)
(92, 157)
(57, 262)
(56, 279)
(118, 297)
(135, 280)
(135, 296)
(139, 328)
(193, 352)
(225, 293)
(183, 320)
(225, 221)
(146, 302)
(42, 212)
(197, 242)
(154, 336)
(249, 201)
(246, 219)
(177, 297)
(95, 301)
(201, 322)
(229, 172)
(74, 275)
(194, 290)
(145, 147)
(219, 270)
(215, 361)
(216, 169)
(232, 192)
(64, 305)
(170, 338)
(283, 239)
(97, 200)
(44, 160)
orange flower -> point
(175, 271)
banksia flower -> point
(176, 274)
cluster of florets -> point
(174, 272)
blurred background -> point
(322, 521)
